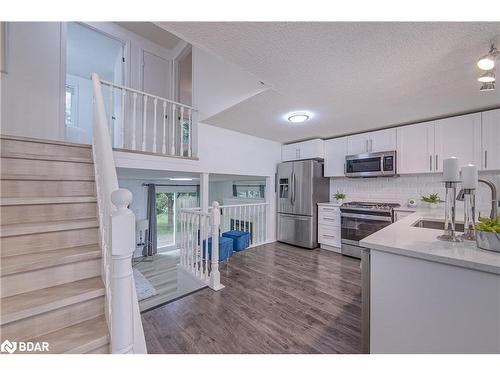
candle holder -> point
(450, 207)
(469, 214)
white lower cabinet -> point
(329, 227)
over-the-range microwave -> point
(371, 164)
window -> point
(248, 191)
(71, 106)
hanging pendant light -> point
(487, 62)
(487, 77)
(487, 86)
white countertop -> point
(402, 238)
(333, 204)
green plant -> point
(488, 225)
(339, 196)
(433, 198)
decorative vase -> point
(339, 201)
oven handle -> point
(373, 217)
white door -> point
(156, 80)
(460, 137)
(357, 144)
(335, 153)
(415, 148)
(490, 135)
(382, 140)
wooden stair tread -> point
(29, 262)
(39, 301)
(53, 226)
(78, 338)
(44, 141)
(46, 200)
(20, 155)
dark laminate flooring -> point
(277, 299)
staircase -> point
(51, 285)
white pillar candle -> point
(451, 170)
(469, 177)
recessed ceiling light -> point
(487, 62)
(298, 117)
(181, 179)
(487, 86)
(487, 77)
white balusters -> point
(122, 115)
(134, 121)
(190, 120)
(181, 132)
(155, 104)
(164, 147)
(144, 119)
(172, 139)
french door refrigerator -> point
(301, 186)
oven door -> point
(357, 225)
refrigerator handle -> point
(292, 190)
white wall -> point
(31, 102)
(400, 189)
(218, 85)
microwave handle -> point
(382, 163)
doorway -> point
(87, 51)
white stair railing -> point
(117, 238)
(197, 228)
(139, 121)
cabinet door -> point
(415, 148)
(357, 144)
(311, 149)
(335, 153)
(460, 137)
(490, 134)
(290, 152)
(382, 140)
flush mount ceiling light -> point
(297, 117)
(487, 62)
(487, 86)
(487, 77)
(180, 179)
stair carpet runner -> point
(51, 287)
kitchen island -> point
(430, 296)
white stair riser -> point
(34, 280)
(44, 149)
(52, 320)
(33, 243)
(26, 188)
(24, 169)
(47, 212)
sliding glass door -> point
(169, 201)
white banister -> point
(214, 264)
(144, 119)
(122, 282)
(117, 238)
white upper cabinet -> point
(490, 134)
(415, 148)
(458, 136)
(381, 140)
(357, 144)
(335, 153)
(303, 150)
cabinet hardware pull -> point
(430, 162)
(437, 162)
(485, 159)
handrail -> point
(108, 83)
(117, 238)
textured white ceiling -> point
(353, 76)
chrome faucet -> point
(494, 200)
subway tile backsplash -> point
(400, 189)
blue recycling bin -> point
(241, 240)
(225, 248)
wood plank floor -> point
(277, 299)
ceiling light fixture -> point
(487, 86)
(181, 179)
(298, 117)
(487, 62)
(487, 77)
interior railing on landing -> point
(143, 122)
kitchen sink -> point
(436, 224)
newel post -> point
(122, 248)
(214, 269)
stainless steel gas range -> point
(359, 220)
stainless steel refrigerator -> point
(301, 186)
